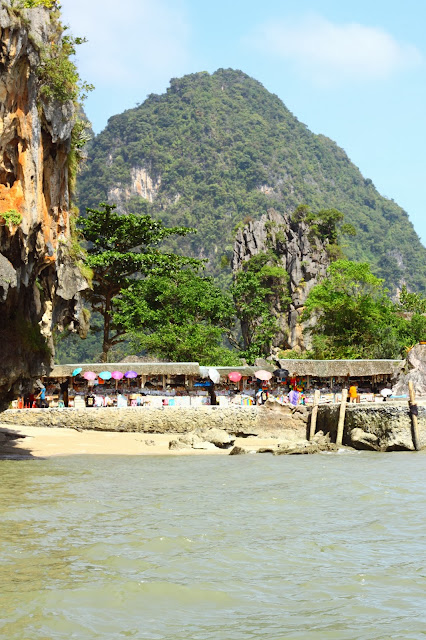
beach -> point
(45, 442)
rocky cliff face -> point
(304, 259)
(415, 371)
(40, 284)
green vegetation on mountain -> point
(220, 150)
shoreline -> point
(47, 442)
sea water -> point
(198, 548)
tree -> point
(411, 302)
(259, 287)
(355, 317)
(180, 316)
(121, 249)
(327, 225)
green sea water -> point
(223, 548)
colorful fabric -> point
(293, 397)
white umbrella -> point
(214, 375)
(386, 392)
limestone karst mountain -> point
(40, 284)
(305, 260)
(216, 151)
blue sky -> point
(353, 70)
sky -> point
(353, 70)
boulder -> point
(361, 439)
(191, 441)
(238, 451)
(219, 437)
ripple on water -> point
(256, 547)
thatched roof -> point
(314, 368)
(141, 368)
(246, 372)
(342, 368)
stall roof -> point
(141, 368)
(342, 368)
(246, 372)
(314, 368)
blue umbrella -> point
(105, 375)
(77, 371)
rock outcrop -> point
(40, 284)
(304, 258)
(375, 427)
(415, 372)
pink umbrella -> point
(130, 374)
(117, 375)
(263, 375)
(235, 376)
(90, 375)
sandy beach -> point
(47, 441)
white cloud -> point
(330, 53)
(130, 42)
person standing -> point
(42, 403)
(353, 393)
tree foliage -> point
(260, 287)
(180, 316)
(122, 247)
(354, 317)
(58, 73)
(153, 297)
(48, 4)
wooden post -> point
(342, 412)
(164, 382)
(413, 413)
(314, 414)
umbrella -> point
(105, 375)
(130, 374)
(235, 376)
(117, 375)
(90, 375)
(263, 375)
(386, 392)
(77, 371)
(281, 373)
(214, 375)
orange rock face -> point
(40, 286)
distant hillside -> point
(217, 150)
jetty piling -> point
(342, 413)
(314, 414)
(413, 414)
